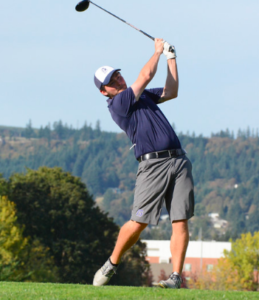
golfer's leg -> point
(179, 243)
(128, 236)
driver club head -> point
(83, 5)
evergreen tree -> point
(29, 132)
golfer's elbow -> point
(174, 90)
(172, 94)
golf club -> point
(83, 5)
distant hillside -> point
(225, 170)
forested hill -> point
(225, 170)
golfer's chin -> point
(121, 89)
(118, 91)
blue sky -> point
(49, 53)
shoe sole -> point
(167, 287)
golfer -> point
(164, 172)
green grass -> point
(47, 291)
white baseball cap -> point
(103, 76)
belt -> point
(162, 154)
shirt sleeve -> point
(155, 94)
(123, 103)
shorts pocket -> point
(143, 166)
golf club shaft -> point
(152, 38)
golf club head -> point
(83, 5)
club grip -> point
(171, 49)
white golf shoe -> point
(104, 274)
(173, 282)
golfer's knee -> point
(138, 227)
(180, 225)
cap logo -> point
(104, 70)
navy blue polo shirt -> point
(143, 121)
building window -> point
(188, 267)
(209, 268)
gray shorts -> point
(160, 179)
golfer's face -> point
(116, 85)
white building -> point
(200, 255)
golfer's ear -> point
(104, 93)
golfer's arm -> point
(172, 82)
(145, 75)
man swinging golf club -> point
(164, 172)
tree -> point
(235, 271)
(20, 259)
(244, 257)
(98, 128)
(57, 210)
(11, 240)
(59, 129)
(108, 197)
(29, 132)
(3, 186)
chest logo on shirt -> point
(143, 96)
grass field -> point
(43, 291)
